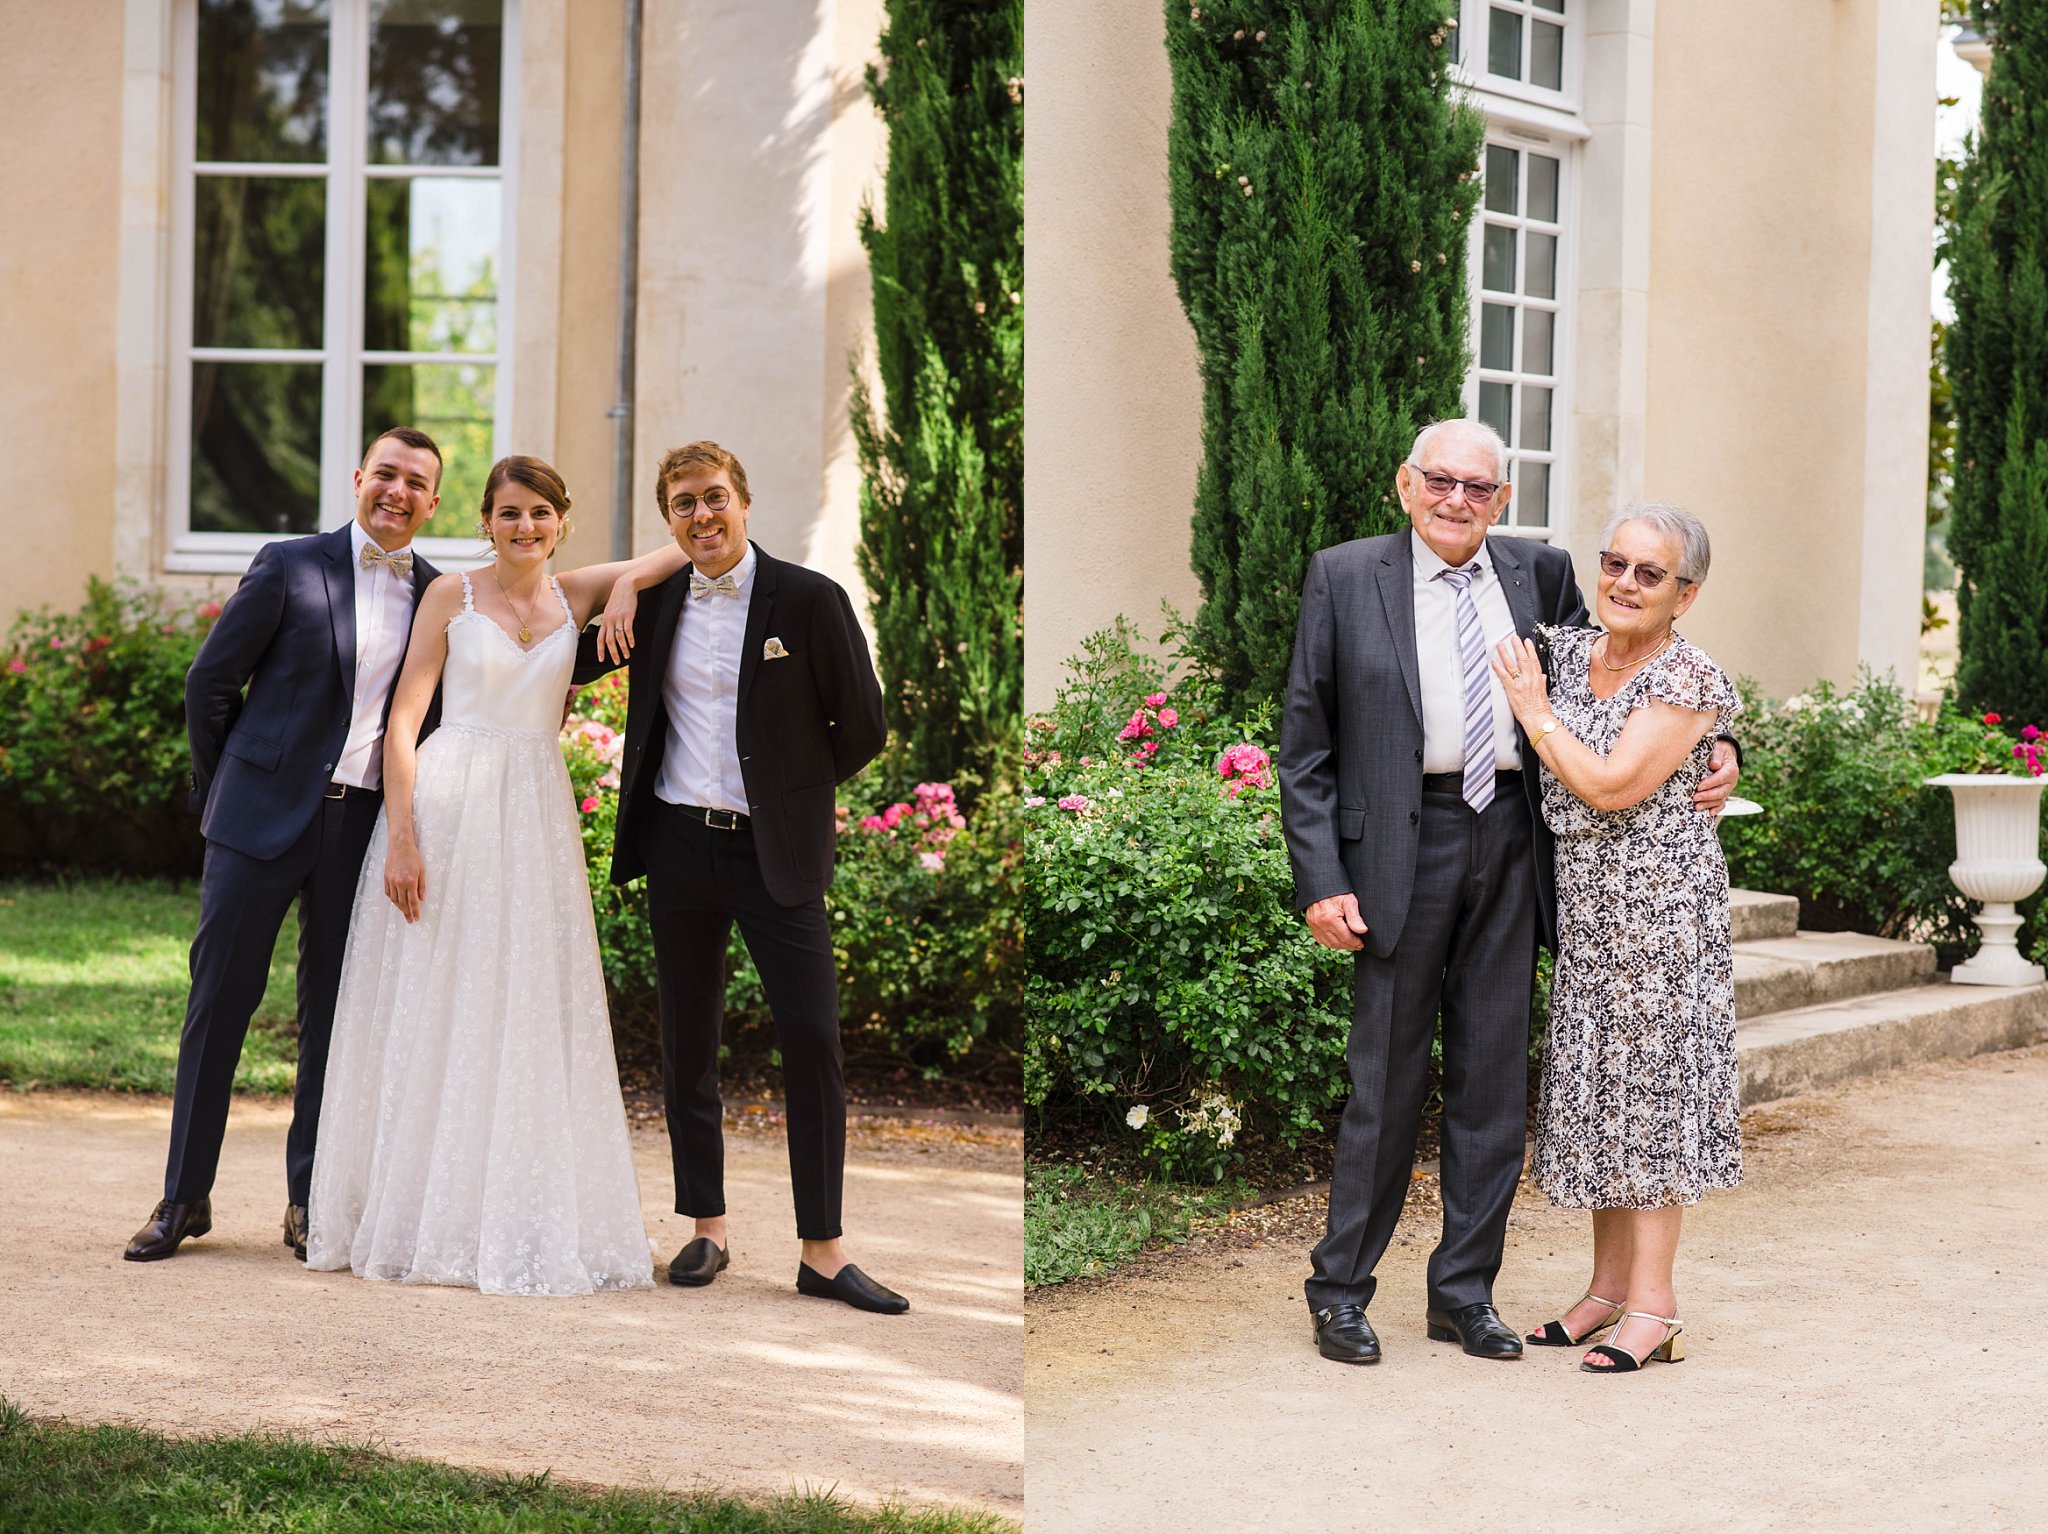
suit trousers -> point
(700, 880)
(242, 904)
(1467, 950)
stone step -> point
(1808, 1048)
(1810, 968)
(1758, 916)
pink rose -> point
(2029, 732)
(1169, 717)
(1074, 802)
(209, 609)
(590, 804)
(17, 665)
(1153, 700)
(1033, 801)
(873, 823)
(895, 815)
(934, 861)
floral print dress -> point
(1638, 1108)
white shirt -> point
(383, 622)
(701, 763)
(1441, 669)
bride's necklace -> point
(526, 618)
(1607, 643)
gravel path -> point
(1864, 1316)
(744, 1386)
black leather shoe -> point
(851, 1286)
(170, 1224)
(698, 1263)
(1478, 1328)
(1343, 1333)
(295, 1229)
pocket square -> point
(773, 650)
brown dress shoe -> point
(170, 1224)
(295, 1229)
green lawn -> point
(58, 1479)
(92, 988)
(1085, 1221)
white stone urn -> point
(1998, 861)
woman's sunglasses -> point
(1649, 577)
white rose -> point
(1137, 1116)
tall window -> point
(340, 229)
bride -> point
(472, 1131)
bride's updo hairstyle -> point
(536, 475)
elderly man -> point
(1417, 842)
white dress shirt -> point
(701, 763)
(1441, 669)
(383, 623)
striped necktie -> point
(1478, 691)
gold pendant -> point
(525, 635)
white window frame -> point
(342, 356)
(1474, 27)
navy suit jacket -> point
(262, 760)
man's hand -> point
(1718, 784)
(1335, 923)
(615, 624)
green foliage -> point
(942, 478)
(59, 1479)
(1848, 825)
(1079, 1223)
(94, 766)
(1997, 352)
(93, 978)
(1173, 992)
(1322, 179)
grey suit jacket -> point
(1351, 733)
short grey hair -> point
(1478, 428)
(1694, 552)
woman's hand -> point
(615, 624)
(1520, 671)
(405, 880)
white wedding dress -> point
(472, 1130)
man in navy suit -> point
(286, 781)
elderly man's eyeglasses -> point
(684, 504)
(1477, 491)
(1649, 577)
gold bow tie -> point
(700, 588)
(400, 562)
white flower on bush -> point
(1214, 1116)
(1138, 1116)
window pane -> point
(1543, 188)
(1546, 55)
(259, 260)
(255, 447)
(1496, 408)
(432, 265)
(1535, 419)
(1531, 504)
(1542, 257)
(1501, 178)
(262, 80)
(1498, 267)
(453, 403)
(1538, 326)
(1504, 44)
(434, 81)
(1556, 7)
(1497, 336)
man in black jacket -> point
(752, 698)
(287, 783)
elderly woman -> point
(1638, 1103)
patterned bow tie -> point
(700, 588)
(400, 563)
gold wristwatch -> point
(1544, 731)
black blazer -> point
(1351, 734)
(807, 720)
(260, 763)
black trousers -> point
(1468, 949)
(242, 904)
(701, 880)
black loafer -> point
(698, 1263)
(168, 1225)
(295, 1229)
(1478, 1328)
(852, 1287)
(1343, 1334)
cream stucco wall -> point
(60, 184)
(1112, 400)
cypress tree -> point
(1323, 179)
(1998, 369)
(942, 470)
